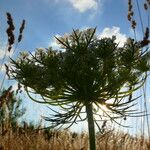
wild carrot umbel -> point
(86, 75)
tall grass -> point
(26, 138)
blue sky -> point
(47, 18)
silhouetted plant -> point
(88, 74)
(131, 18)
(139, 18)
(11, 42)
(10, 109)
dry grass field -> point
(31, 139)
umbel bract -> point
(86, 73)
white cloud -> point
(15, 86)
(4, 58)
(4, 52)
(2, 68)
(109, 32)
(84, 5)
(53, 43)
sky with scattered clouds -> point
(48, 18)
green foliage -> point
(89, 73)
(89, 70)
(11, 109)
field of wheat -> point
(26, 138)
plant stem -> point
(91, 128)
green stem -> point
(91, 127)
